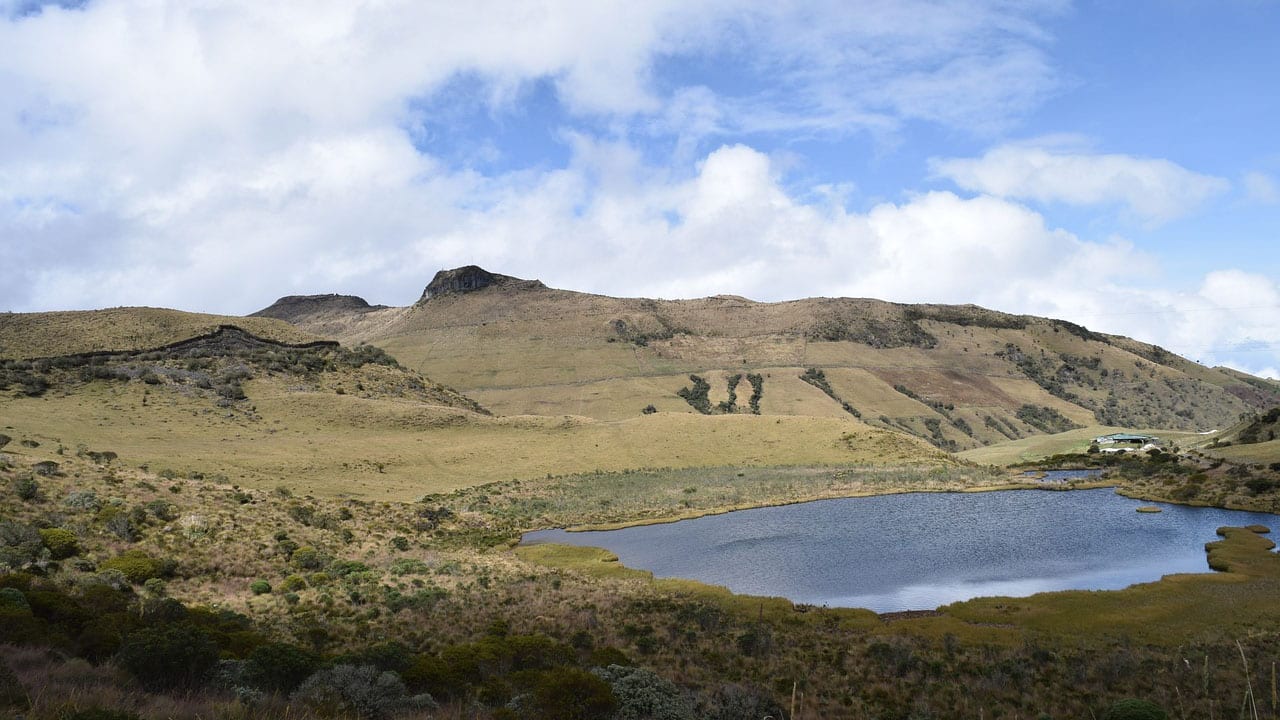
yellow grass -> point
(1038, 447)
(31, 335)
(394, 449)
(1263, 452)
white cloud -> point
(1261, 188)
(1154, 190)
(215, 155)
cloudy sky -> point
(1111, 163)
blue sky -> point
(1114, 164)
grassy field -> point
(324, 443)
(1038, 447)
(1263, 452)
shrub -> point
(361, 690)
(136, 565)
(47, 468)
(1134, 709)
(20, 545)
(163, 510)
(649, 410)
(5, 440)
(308, 558)
(82, 500)
(279, 667)
(260, 587)
(169, 656)
(644, 695)
(12, 694)
(13, 599)
(293, 583)
(571, 694)
(733, 702)
(122, 526)
(400, 543)
(27, 488)
(62, 543)
(697, 395)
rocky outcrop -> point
(294, 308)
(470, 278)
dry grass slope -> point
(522, 348)
(50, 334)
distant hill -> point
(957, 376)
(50, 334)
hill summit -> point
(470, 278)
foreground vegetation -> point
(159, 595)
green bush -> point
(169, 656)
(260, 587)
(27, 488)
(293, 583)
(136, 565)
(308, 558)
(571, 694)
(62, 543)
(279, 667)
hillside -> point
(352, 421)
(26, 336)
(959, 377)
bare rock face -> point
(470, 278)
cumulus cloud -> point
(216, 155)
(1154, 190)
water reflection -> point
(920, 551)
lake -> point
(919, 551)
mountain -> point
(958, 376)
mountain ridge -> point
(960, 376)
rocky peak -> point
(470, 278)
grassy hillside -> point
(49, 334)
(958, 377)
(354, 422)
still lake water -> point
(922, 550)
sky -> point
(1112, 164)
